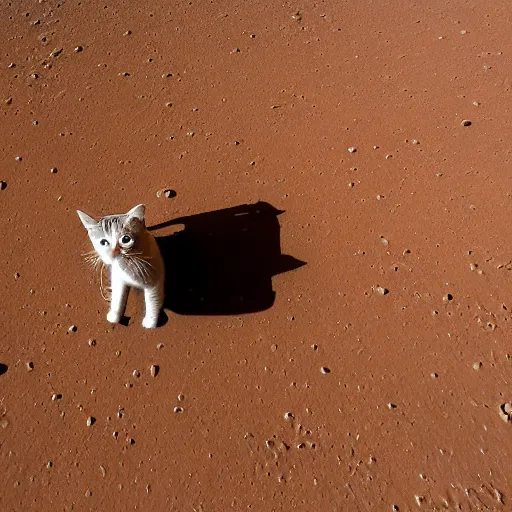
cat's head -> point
(116, 236)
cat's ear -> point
(88, 222)
(137, 212)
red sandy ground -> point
(409, 414)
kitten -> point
(124, 244)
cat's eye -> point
(126, 240)
(103, 241)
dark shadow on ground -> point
(222, 262)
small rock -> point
(29, 366)
(166, 192)
(91, 342)
(56, 396)
(136, 373)
(325, 370)
(505, 412)
(18, 158)
(8, 101)
(79, 49)
(73, 328)
(53, 170)
(49, 464)
(352, 149)
(181, 397)
(383, 241)
(392, 405)
(178, 410)
(448, 297)
(88, 493)
(381, 290)
(127, 33)
(102, 471)
(466, 122)
(434, 375)
(3, 185)
(90, 421)
(477, 365)
(153, 370)
(288, 416)
(56, 52)
(160, 346)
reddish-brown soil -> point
(231, 104)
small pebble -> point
(136, 373)
(3, 185)
(288, 416)
(8, 101)
(35, 123)
(56, 52)
(389, 156)
(118, 353)
(29, 365)
(477, 365)
(90, 421)
(466, 122)
(181, 397)
(79, 49)
(102, 471)
(352, 149)
(160, 346)
(391, 405)
(56, 396)
(53, 170)
(178, 410)
(73, 328)
(88, 493)
(49, 464)
(434, 375)
(384, 242)
(325, 370)
(153, 370)
(381, 290)
(18, 158)
(448, 297)
(91, 342)
(127, 33)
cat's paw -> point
(113, 317)
(149, 323)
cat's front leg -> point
(119, 297)
(154, 298)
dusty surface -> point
(229, 104)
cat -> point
(123, 243)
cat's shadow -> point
(222, 262)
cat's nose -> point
(116, 251)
